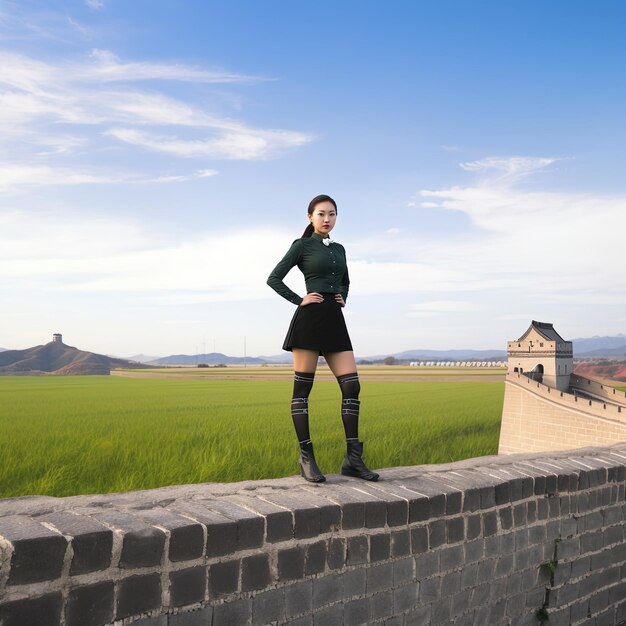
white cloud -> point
(97, 5)
(13, 176)
(97, 99)
(508, 169)
(243, 145)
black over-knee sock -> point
(350, 403)
(302, 385)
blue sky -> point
(157, 159)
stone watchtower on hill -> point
(543, 355)
(57, 338)
(547, 406)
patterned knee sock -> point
(350, 404)
(302, 385)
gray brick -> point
(452, 557)
(531, 512)
(460, 602)
(490, 523)
(455, 529)
(513, 584)
(356, 612)
(436, 533)
(42, 611)
(90, 605)
(315, 560)
(329, 616)
(381, 604)
(327, 590)
(38, 552)
(599, 601)
(419, 539)
(613, 535)
(255, 572)
(299, 598)
(336, 554)
(450, 583)
(492, 546)
(506, 519)
(536, 534)
(591, 542)
(188, 586)
(521, 539)
(236, 613)
(486, 570)
(473, 550)
(379, 547)
(268, 606)
(354, 583)
(612, 515)
(480, 595)
(427, 564)
(278, 522)
(507, 543)
(403, 571)
(400, 543)
(405, 598)
(469, 574)
(357, 550)
(440, 612)
(473, 526)
(419, 616)
(221, 530)
(291, 564)
(430, 589)
(520, 560)
(379, 577)
(186, 537)
(138, 594)
(160, 620)
(198, 617)
(92, 542)
(142, 545)
(250, 525)
(224, 578)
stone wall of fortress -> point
(537, 418)
(503, 540)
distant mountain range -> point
(212, 358)
(57, 358)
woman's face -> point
(323, 218)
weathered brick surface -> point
(486, 541)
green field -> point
(72, 435)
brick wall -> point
(538, 418)
(488, 541)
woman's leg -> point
(304, 366)
(343, 366)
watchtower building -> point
(542, 355)
(57, 338)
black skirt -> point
(319, 326)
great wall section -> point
(534, 536)
(515, 539)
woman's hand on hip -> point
(339, 299)
(312, 298)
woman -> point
(318, 328)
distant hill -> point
(213, 358)
(599, 345)
(3, 349)
(615, 370)
(57, 358)
(142, 358)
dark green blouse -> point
(324, 268)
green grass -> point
(72, 435)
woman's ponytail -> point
(308, 231)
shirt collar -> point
(318, 237)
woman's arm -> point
(275, 279)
